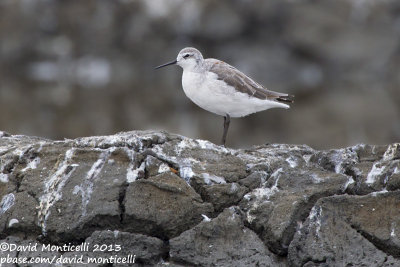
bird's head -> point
(188, 58)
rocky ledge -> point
(170, 200)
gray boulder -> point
(222, 241)
(350, 231)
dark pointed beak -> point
(166, 64)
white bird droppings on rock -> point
(234, 187)
(3, 178)
(116, 233)
(260, 195)
(292, 162)
(133, 174)
(391, 152)
(205, 218)
(374, 173)
(349, 182)
(53, 188)
(163, 168)
(315, 219)
(32, 164)
(12, 222)
(186, 172)
(315, 178)
(86, 187)
(379, 192)
(7, 202)
(392, 232)
(212, 179)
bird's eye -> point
(186, 56)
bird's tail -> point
(286, 98)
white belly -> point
(214, 95)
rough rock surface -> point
(172, 200)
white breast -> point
(214, 95)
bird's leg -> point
(227, 120)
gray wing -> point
(242, 82)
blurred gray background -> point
(80, 68)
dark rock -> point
(275, 209)
(145, 249)
(223, 195)
(373, 168)
(254, 180)
(21, 216)
(191, 156)
(154, 166)
(172, 200)
(370, 153)
(155, 206)
(350, 231)
(223, 241)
